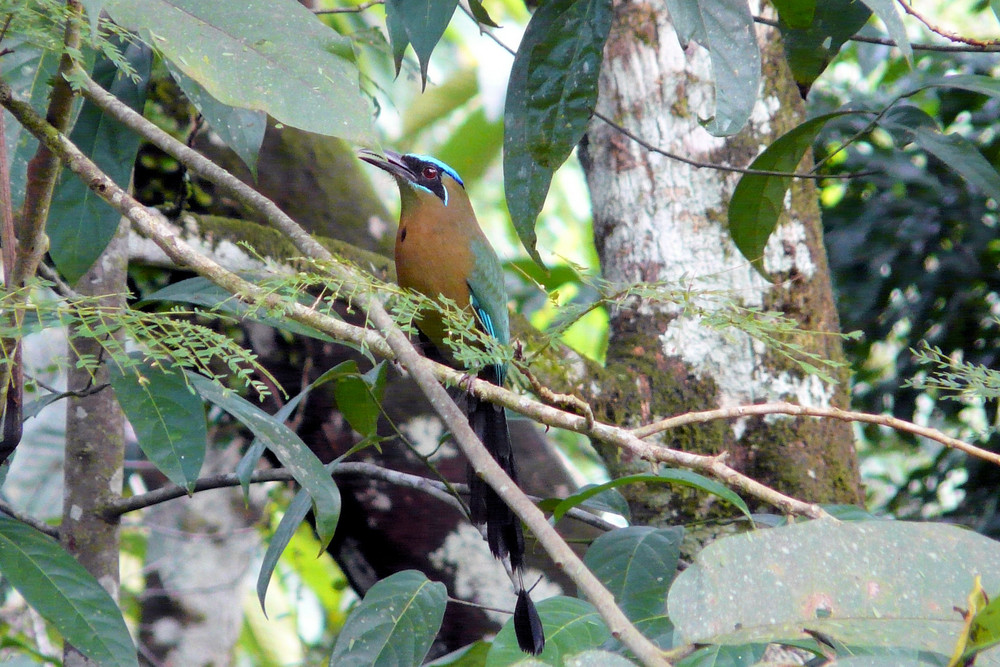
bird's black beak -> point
(392, 163)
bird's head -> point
(419, 176)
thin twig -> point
(41, 526)
(883, 41)
(950, 36)
(431, 487)
(720, 167)
(807, 411)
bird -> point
(441, 251)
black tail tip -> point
(527, 625)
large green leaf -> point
(725, 28)
(909, 123)
(571, 626)
(810, 48)
(423, 21)
(394, 625)
(240, 129)
(637, 564)
(81, 224)
(870, 583)
(758, 200)
(725, 656)
(550, 96)
(168, 418)
(796, 13)
(64, 594)
(268, 55)
(563, 69)
(288, 447)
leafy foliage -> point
(65, 594)
(276, 58)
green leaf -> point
(240, 129)
(870, 583)
(666, 476)
(886, 10)
(637, 564)
(563, 69)
(294, 516)
(985, 630)
(81, 224)
(359, 397)
(203, 292)
(395, 623)
(908, 123)
(288, 447)
(571, 626)
(480, 14)
(725, 28)
(269, 56)
(424, 22)
(64, 594)
(28, 69)
(796, 13)
(758, 200)
(809, 49)
(725, 656)
(550, 96)
(169, 420)
(473, 655)
(398, 40)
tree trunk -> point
(657, 219)
(95, 439)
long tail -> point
(503, 527)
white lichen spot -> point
(763, 111)
(80, 412)
(480, 577)
(75, 512)
(787, 250)
(377, 227)
(425, 434)
(117, 479)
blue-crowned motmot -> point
(442, 252)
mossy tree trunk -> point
(657, 219)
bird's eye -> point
(429, 172)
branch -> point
(806, 411)
(41, 526)
(950, 36)
(431, 487)
(882, 41)
(394, 344)
(43, 169)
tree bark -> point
(95, 439)
(656, 219)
